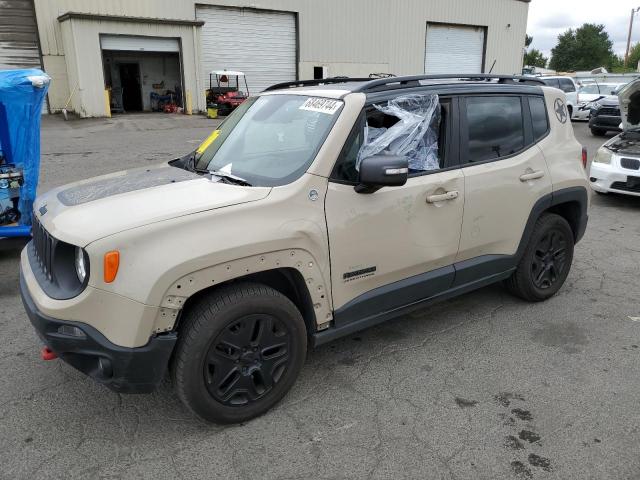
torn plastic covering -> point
(22, 93)
(414, 136)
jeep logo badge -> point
(561, 111)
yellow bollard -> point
(188, 110)
(107, 102)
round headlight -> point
(81, 267)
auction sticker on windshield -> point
(322, 105)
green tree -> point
(535, 58)
(585, 48)
(634, 57)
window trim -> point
(546, 114)
(464, 129)
(451, 146)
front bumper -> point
(122, 369)
(612, 178)
(605, 122)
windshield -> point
(590, 89)
(269, 140)
(600, 88)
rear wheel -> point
(240, 350)
(546, 261)
(598, 132)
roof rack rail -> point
(310, 83)
(369, 84)
(414, 80)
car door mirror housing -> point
(382, 171)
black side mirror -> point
(382, 171)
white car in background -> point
(616, 166)
(589, 93)
(568, 86)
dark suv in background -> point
(605, 116)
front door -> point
(396, 246)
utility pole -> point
(626, 55)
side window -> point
(552, 82)
(567, 85)
(426, 155)
(495, 127)
(539, 120)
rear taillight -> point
(584, 157)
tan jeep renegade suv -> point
(315, 210)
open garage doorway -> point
(142, 74)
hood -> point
(626, 143)
(629, 97)
(82, 212)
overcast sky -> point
(549, 18)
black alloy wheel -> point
(546, 260)
(240, 349)
(549, 259)
(247, 359)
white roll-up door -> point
(260, 43)
(134, 43)
(18, 35)
(454, 49)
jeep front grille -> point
(44, 246)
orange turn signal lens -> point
(111, 264)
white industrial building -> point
(161, 46)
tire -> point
(598, 132)
(570, 110)
(540, 274)
(224, 109)
(239, 351)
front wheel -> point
(239, 351)
(546, 261)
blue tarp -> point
(22, 93)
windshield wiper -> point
(229, 178)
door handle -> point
(442, 197)
(531, 176)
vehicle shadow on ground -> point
(617, 200)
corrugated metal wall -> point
(352, 37)
(365, 31)
(18, 35)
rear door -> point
(397, 245)
(505, 174)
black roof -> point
(368, 85)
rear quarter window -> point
(539, 119)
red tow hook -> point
(47, 354)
